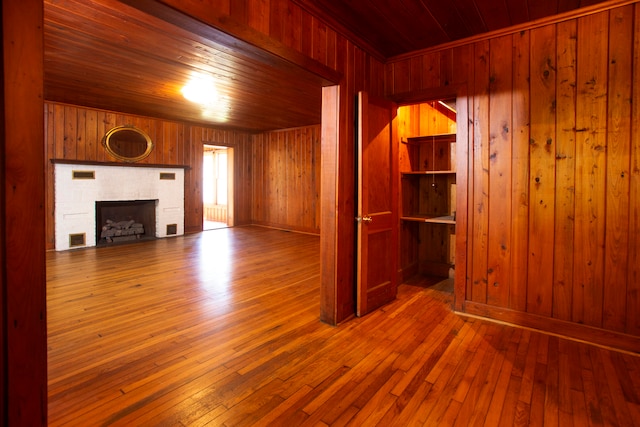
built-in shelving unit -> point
(428, 197)
(428, 192)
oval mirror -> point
(127, 143)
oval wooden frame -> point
(106, 142)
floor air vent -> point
(172, 229)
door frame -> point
(230, 183)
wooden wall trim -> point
(330, 130)
(24, 329)
(555, 19)
(232, 33)
(611, 339)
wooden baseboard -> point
(576, 331)
(408, 272)
(275, 226)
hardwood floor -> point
(221, 328)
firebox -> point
(125, 220)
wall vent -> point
(172, 229)
(84, 174)
(168, 175)
(78, 239)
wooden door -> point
(377, 194)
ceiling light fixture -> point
(201, 89)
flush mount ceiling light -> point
(201, 89)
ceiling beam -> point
(199, 18)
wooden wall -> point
(286, 179)
(276, 174)
(75, 133)
(554, 170)
(285, 29)
(23, 326)
(242, 177)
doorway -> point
(217, 187)
(428, 188)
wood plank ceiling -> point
(128, 57)
(110, 55)
(400, 26)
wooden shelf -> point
(417, 140)
(447, 219)
(439, 172)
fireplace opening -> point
(125, 221)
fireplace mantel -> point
(79, 185)
(118, 164)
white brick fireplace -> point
(79, 186)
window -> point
(214, 182)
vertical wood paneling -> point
(243, 178)
(91, 135)
(520, 173)
(617, 168)
(75, 133)
(296, 29)
(280, 195)
(58, 130)
(480, 173)
(591, 121)
(319, 41)
(430, 70)
(49, 117)
(542, 178)
(238, 9)
(565, 170)
(462, 73)
(194, 210)
(69, 143)
(574, 174)
(242, 175)
(446, 67)
(81, 142)
(278, 20)
(402, 77)
(286, 186)
(258, 15)
(500, 142)
(306, 39)
(415, 73)
(257, 143)
(633, 284)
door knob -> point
(367, 219)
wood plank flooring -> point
(221, 328)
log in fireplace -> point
(125, 220)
